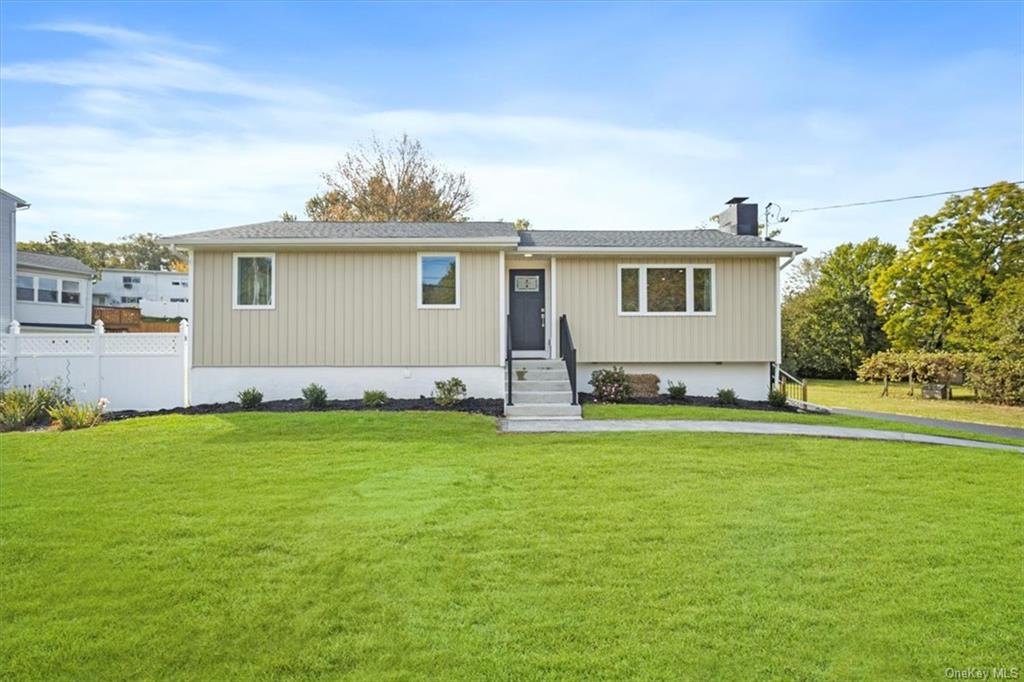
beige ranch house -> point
(520, 315)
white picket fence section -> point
(132, 371)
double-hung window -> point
(437, 277)
(661, 289)
(254, 279)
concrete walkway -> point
(758, 428)
(987, 429)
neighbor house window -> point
(46, 290)
(130, 300)
(438, 277)
(26, 288)
(254, 280)
(658, 289)
(69, 292)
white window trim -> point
(60, 291)
(419, 281)
(642, 284)
(234, 280)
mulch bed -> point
(490, 406)
(698, 400)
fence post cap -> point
(15, 327)
(98, 326)
(183, 326)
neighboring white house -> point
(157, 292)
(52, 293)
(9, 206)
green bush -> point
(21, 408)
(997, 380)
(72, 415)
(449, 392)
(611, 385)
(314, 395)
(676, 391)
(777, 398)
(375, 399)
(250, 398)
(726, 396)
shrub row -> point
(615, 386)
(446, 393)
(994, 379)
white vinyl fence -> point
(132, 371)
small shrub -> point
(72, 415)
(676, 391)
(21, 408)
(314, 395)
(997, 380)
(449, 392)
(726, 396)
(644, 385)
(375, 399)
(611, 385)
(250, 398)
(777, 398)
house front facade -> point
(158, 293)
(52, 293)
(397, 306)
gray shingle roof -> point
(646, 239)
(44, 260)
(301, 229)
(596, 239)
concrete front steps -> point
(543, 392)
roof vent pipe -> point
(738, 217)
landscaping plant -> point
(314, 395)
(726, 396)
(375, 399)
(777, 397)
(21, 408)
(71, 415)
(250, 398)
(449, 392)
(611, 385)
(676, 391)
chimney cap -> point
(736, 200)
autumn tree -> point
(955, 264)
(830, 323)
(391, 180)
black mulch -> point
(699, 400)
(489, 406)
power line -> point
(889, 201)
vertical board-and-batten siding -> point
(742, 330)
(345, 309)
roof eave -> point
(51, 268)
(369, 241)
(688, 250)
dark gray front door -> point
(526, 307)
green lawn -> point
(411, 545)
(860, 396)
(698, 412)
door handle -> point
(542, 318)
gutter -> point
(696, 250)
(369, 241)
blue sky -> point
(117, 118)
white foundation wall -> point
(222, 384)
(748, 379)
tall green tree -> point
(955, 263)
(391, 180)
(831, 324)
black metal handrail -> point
(508, 357)
(567, 351)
